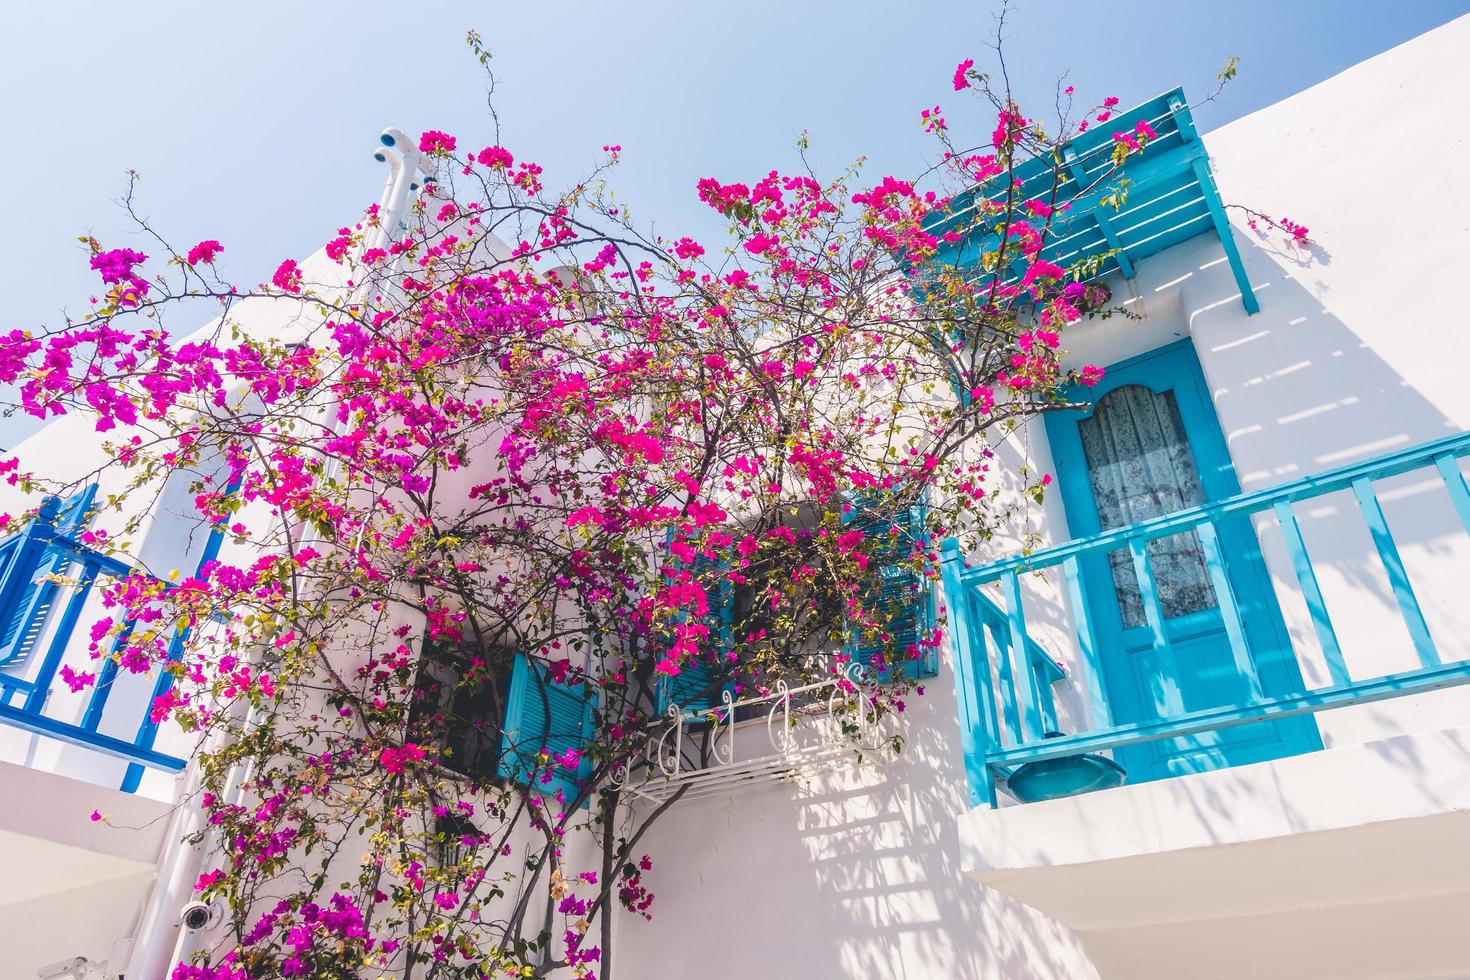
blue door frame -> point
(1195, 669)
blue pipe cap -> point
(380, 158)
(386, 139)
(1072, 775)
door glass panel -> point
(1141, 466)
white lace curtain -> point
(1139, 460)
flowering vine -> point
(524, 434)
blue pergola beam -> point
(1175, 163)
(1189, 133)
(1104, 223)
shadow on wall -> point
(855, 875)
(1298, 390)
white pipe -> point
(178, 869)
(160, 941)
(394, 160)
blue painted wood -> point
(1245, 667)
(1079, 174)
(1454, 483)
(1306, 577)
(1233, 716)
(993, 615)
(1005, 679)
(544, 718)
(1086, 175)
(1185, 121)
(25, 604)
(1398, 576)
(972, 680)
(40, 724)
(1092, 150)
(1176, 665)
(1391, 464)
(106, 677)
(147, 732)
(1136, 179)
(904, 598)
(18, 586)
(1276, 707)
(1227, 237)
(1032, 726)
(1183, 118)
(1164, 682)
(1087, 646)
(61, 638)
(701, 686)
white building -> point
(1329, 840)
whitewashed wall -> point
(1357, 351)
(851, 875)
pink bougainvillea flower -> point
(76, 680)
(204, 252)
(117, 264)
(288, 276)
(433, 141)
(495, 157)
(961, 81)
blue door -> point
(1149, 445)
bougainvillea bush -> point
(522, 434)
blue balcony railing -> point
(38, 636)
(1006, 710)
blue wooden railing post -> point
(1027, 689)
(1102, 716)
(57, 551)
(36, 700)
(102, 690)
(1245, 667)
(1398, 576)
(148, 728)
(1167, 698)
(1005, 677)
(1454, 482)
(972, 679)
(1306, 577)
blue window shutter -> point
(22, 621)
(76, 512)
(695, 687)
(900, 595)
(542, 716)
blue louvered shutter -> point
(899, 595)
(544, 717)
(696, 687)
(22, 622)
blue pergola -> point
(1171, 197)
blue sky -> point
(253, 123)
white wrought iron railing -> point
(790, 731)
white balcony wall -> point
(1356, 352)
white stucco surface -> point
(1353, 354)
(1345, 863)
